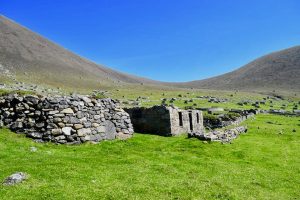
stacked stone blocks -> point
(71, 120)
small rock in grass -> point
(15, 178)
(33, 149)
(294, 130)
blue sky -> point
(168, 40)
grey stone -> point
(97, 117)
(87, 138)
(95, 125)
(101, 129)
(56, 132)
(61, 137)
(86, 99)
(84, 132)
(110, 130)
(78, 126)
(61, 125)
(35, 135)
(66, 130)
(67, 111)
(15, 179)
(53, 112)
(73, 120)
(87, 124)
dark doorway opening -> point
(180, 119)
(191, 121)
(198, 120)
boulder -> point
(15, 179)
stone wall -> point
(219, 135)
(164, 120)
(72, 120)
(220, 122)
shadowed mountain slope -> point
(31, 57)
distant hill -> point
(31, 57)
(276, 71)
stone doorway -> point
(191, 121)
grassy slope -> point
(155, 96)
(259, 165)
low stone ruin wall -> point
(220, 123)
(219, 135)
(237, 121)
(71, 120)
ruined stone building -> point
(78, 119)
(166, 121)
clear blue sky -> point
(169, 40)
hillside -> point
(276, 71)
(30, 57)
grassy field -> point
(262, 164)
(151, 97)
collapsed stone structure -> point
(223, 121)
(166, 121)
(219, 135)
(72, 120)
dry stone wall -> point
(71, 120)
(219, 135)
(219, 122)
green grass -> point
(4, 92)
(154, 97)
(262, 164)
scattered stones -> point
(15, 179)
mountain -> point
(30, 57)
(27, 56)
(276, 71)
